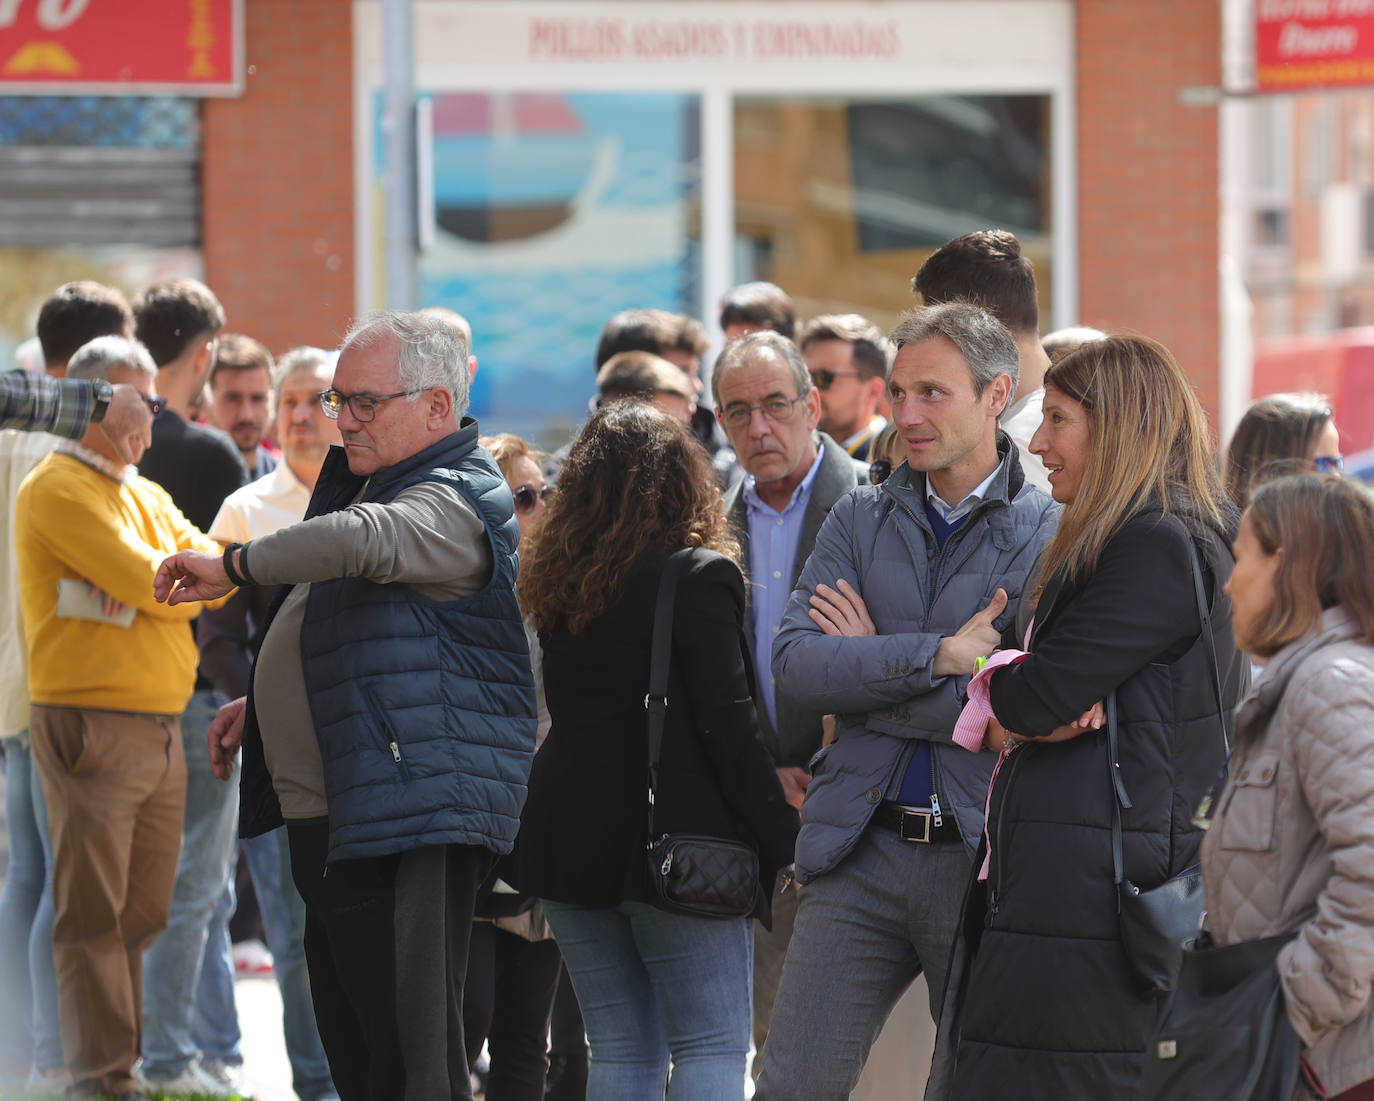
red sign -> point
(121, 47)
(1313, 44)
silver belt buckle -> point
(907, 831)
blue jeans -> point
(188, 976)
(656, 986)
(30, 1034)
(283, 920)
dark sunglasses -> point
(1329, 464)
(878, 470)
(526, 497)
(156, 404)
(824, 380)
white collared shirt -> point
(274, 501)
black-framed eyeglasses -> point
(1329, 464)
(526, 497)
(825, 379)
(775, 409)
(878, 470)
(362, 406)
(156, 403)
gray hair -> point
(95, 358)
(434, 352)
(304, 358)
(760, 345)
(986, 344)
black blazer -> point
(584, 827)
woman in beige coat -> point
(1291, 846)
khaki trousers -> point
(115, 784)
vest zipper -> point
(396, 756)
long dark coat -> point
(1040, 1002)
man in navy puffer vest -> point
(390, 720)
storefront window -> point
(552, 212)
(840, 200)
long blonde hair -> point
(1148, 447)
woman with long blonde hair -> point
(1042, 993)
(656, 986)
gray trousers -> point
(864, 931)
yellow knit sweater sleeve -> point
(110, 535)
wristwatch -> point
(103, 393)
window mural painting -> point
(551, 213)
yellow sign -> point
(33, 58)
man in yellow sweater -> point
(107, 690)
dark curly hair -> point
(636, 480)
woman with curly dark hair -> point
(654, 985)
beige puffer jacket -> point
(1292, 842)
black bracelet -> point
(243, 565)
(238, 580)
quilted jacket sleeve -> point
(835, 674)
(1326, 970)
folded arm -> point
(94, 542)
(1138, 605)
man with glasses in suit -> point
(770, 411)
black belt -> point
(915, 823)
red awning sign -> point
(1301, 44)
(121, 47)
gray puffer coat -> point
(1292, 843)
(881, 688)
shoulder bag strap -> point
(1209, 644)
(1122, 800)
(656, 699)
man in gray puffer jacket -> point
(910, 581)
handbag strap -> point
(660, 654)
(1120, 799)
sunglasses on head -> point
(526, 497)
(824, 379)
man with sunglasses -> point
(769, 408)
(108, 679)
(390, 717)
(848, 358)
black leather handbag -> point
(1225, 1031)
(704, 876)
(1155, 923)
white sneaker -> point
(251, 957)
(229, 1076)
(193, 1079)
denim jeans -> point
(656, 986)
(283, 921)
(188, 976)
(30, 1031)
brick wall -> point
(1148, 204)
(278, 186)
